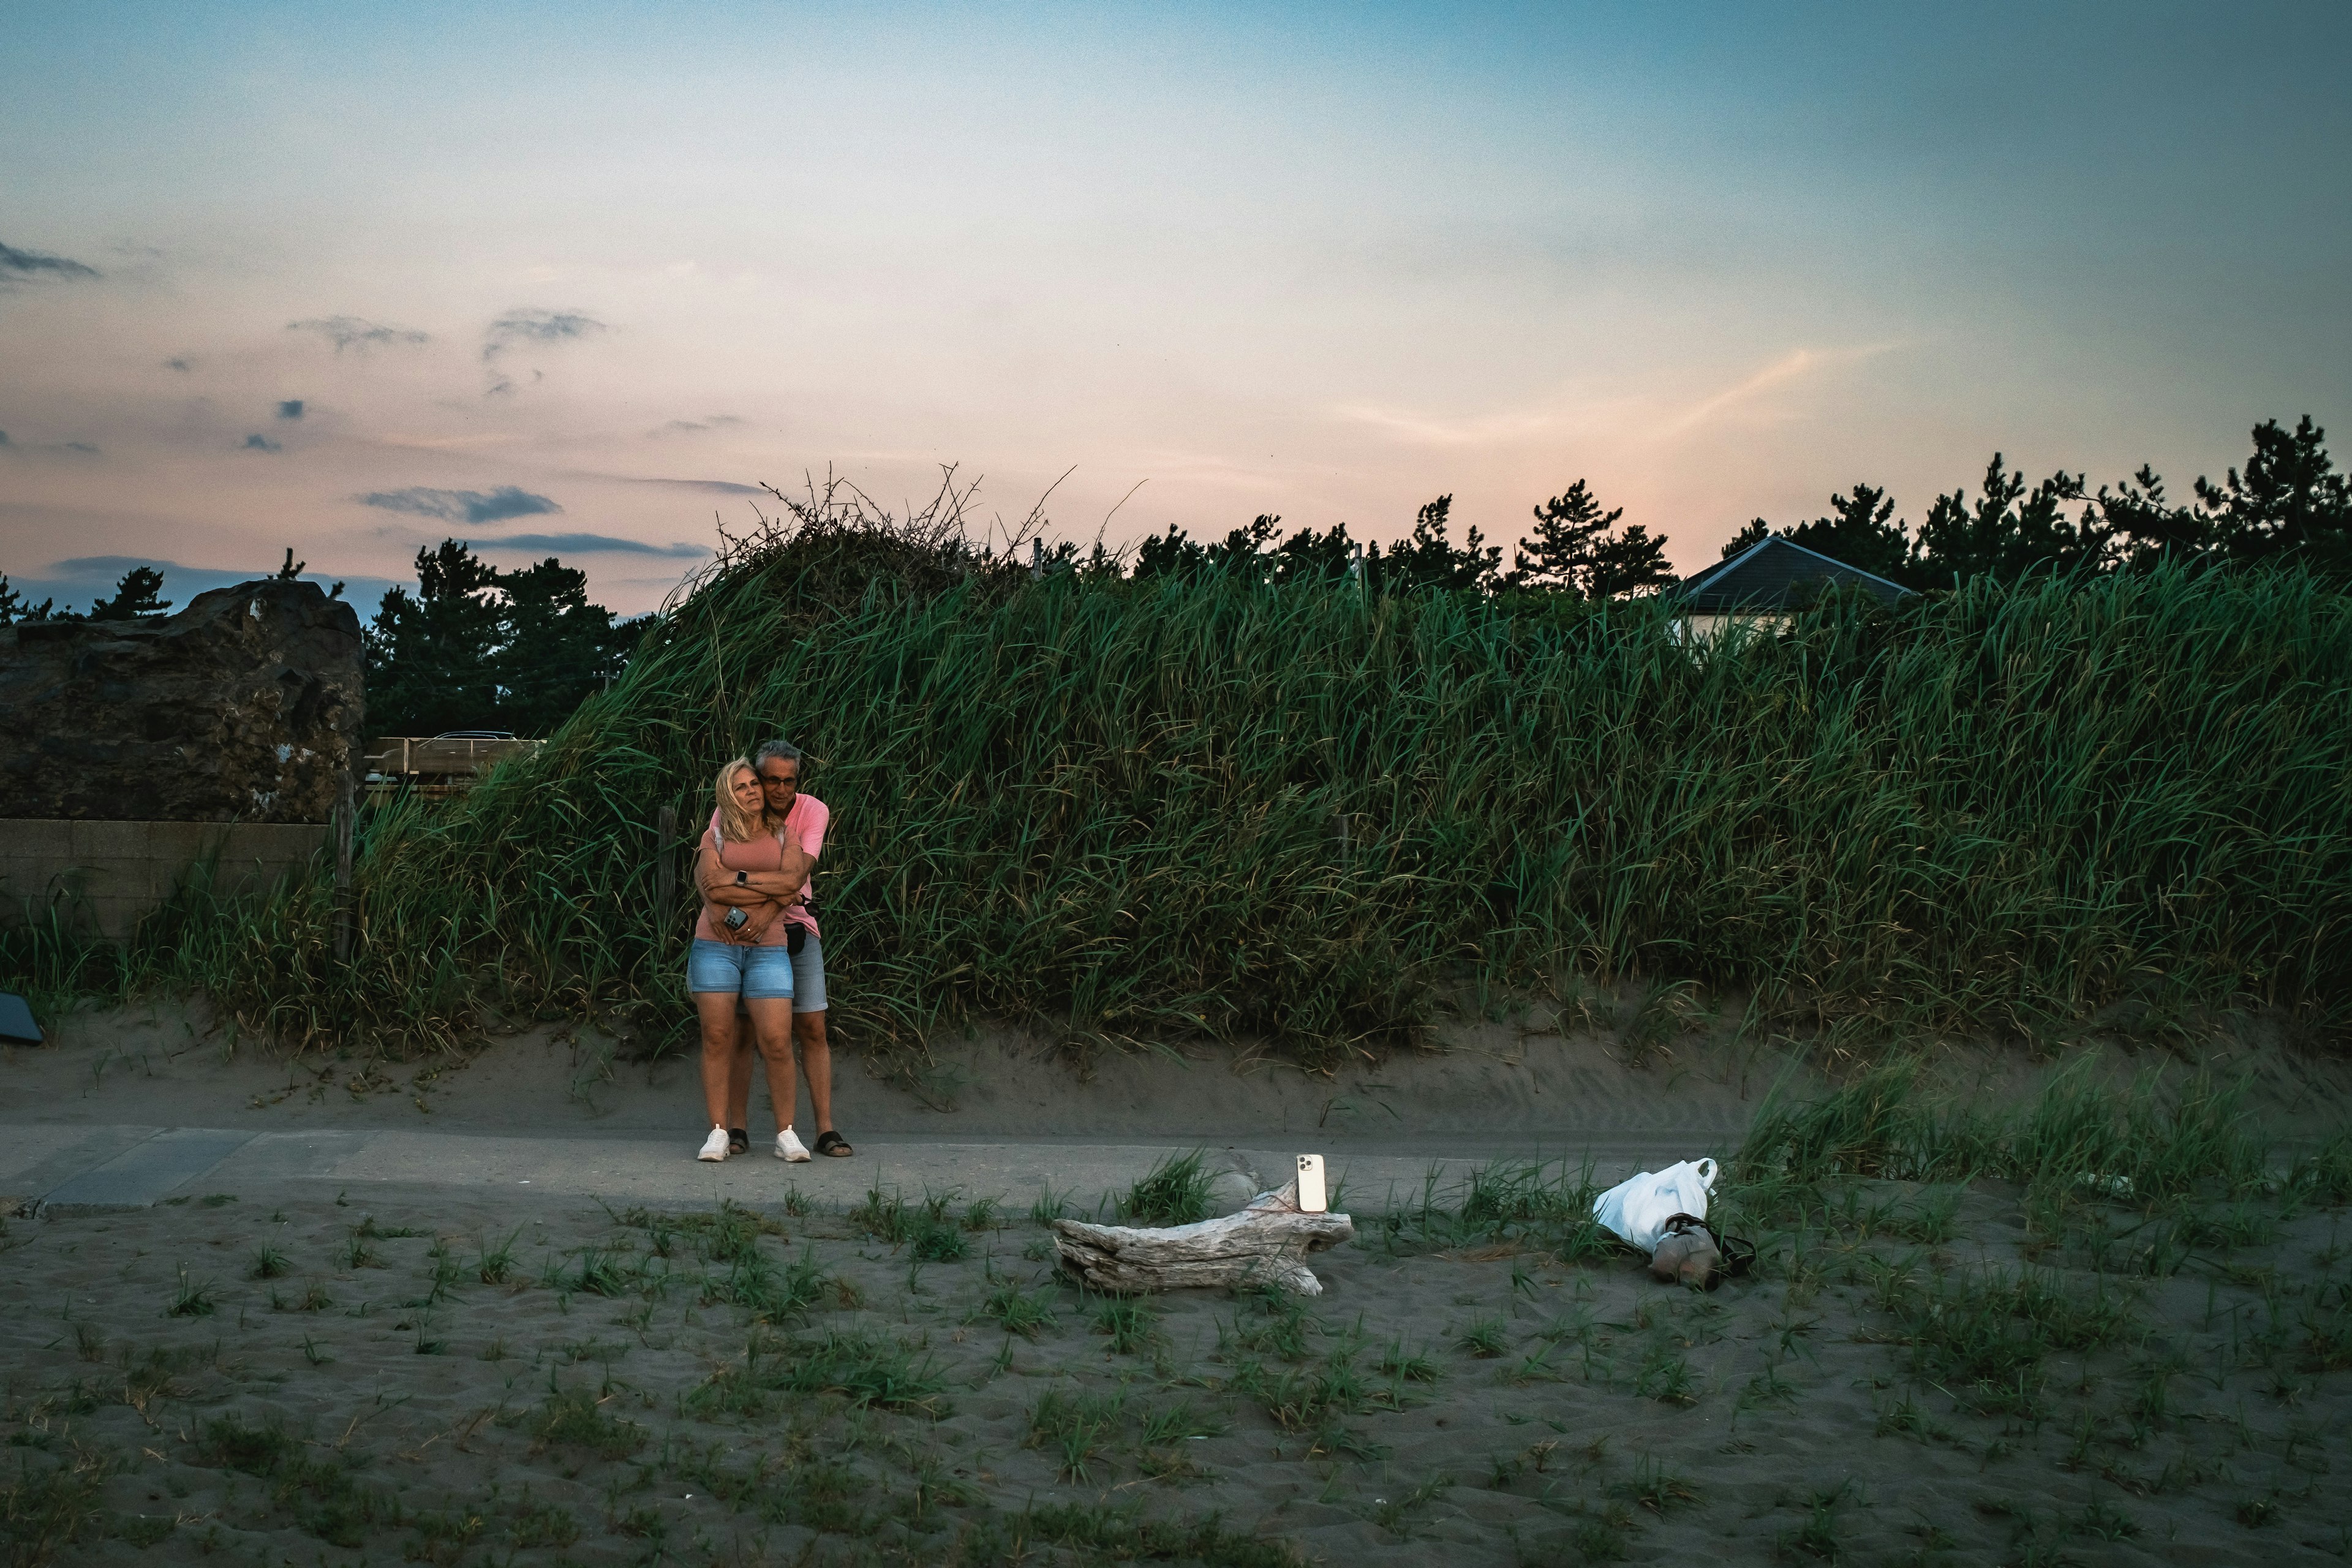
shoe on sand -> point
(789, 1147)
(1685, 1258)
(715, 1146)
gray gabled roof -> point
(1775, 575)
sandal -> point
(738, 1141)
(833, 1143)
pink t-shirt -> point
(805, 825)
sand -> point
(763, 1386)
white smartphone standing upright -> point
(1312, 1197)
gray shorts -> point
(808, 976)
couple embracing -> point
(756, 948)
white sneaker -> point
(788, 1147)
(715, 1146)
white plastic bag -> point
(1638, 1207)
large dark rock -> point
(246, 705)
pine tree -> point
(1861, 530)
(1578, 549)
(140, 593)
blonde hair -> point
(735, 823)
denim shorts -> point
(731, 969)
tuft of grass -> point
(1177, 1423)
(1049, 1206)
(602, 1273)
(535, 1524)
(1486, 1338)
(268, 1263)
(577, 1418)
(1656, 1488)
(860, 1365)
(496, 1265)
(1408, 1366)
(313, 1298)
(191, 1297)
(1174, 1191)
(1026, 1313)
(1074, 1427)
(1817, 1537)
(886, 1217)
(1131, 1322)
(940, 1243)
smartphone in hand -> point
(1313, 1198)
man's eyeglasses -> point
(772, 782)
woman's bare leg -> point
(716, 1009)
(772, 1025)
(739, 1076)
(817, 1061)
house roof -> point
(1775, 575)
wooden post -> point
(346, 814)
(665, 868)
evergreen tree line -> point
(476, 646)
(2287, 506)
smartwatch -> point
(742, 879)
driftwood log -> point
(1261, 1244)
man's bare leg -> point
(816, 1063)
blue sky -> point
(1328, 262)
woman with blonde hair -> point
(740, 951)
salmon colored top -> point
(806, 822)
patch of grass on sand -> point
(1073, 1429)
(191, 1298)
(1024, 1312)
(49, 1506)
(1984, 1334)
(320, 1492)
(576, 1418)
(769, 1294)
(1100, 1532)
(861, 1366)
(1131, 1322)
(1174, 1191)
(536, 1524)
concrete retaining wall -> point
(118, 872)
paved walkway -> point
(64, 1169)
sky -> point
(576, 279)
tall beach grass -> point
(1139, 808)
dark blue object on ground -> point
(17, 1020)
